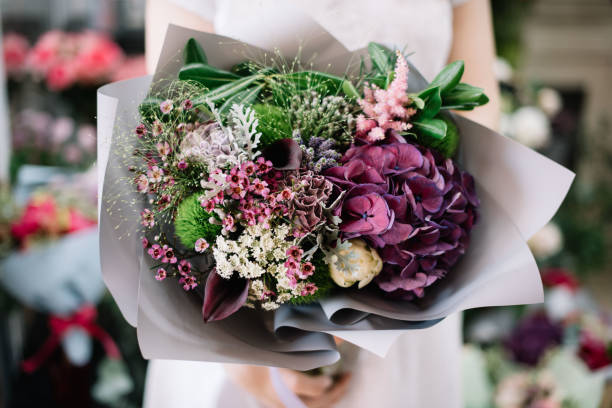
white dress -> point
(423, 368)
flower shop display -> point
(272, 202)
(558, 354)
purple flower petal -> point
(223, 297)
(285, 154)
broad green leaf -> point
(194, 53)
(440, 134)
(349, 89)
(449, 77)
(382, 57)
(433, 128)
(245, 97)
(227, 91)
(207, 75)
(433, 102)
(464, 95)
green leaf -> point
(207, 75)
(449, 77)
(429, 136)
(431, 128)
(464, 95)
(382, 58)
(194, 52)
(245, 97)
(349, 89)
(433, 102)
(227, 91)
(418, 102)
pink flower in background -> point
(98, 57)
(15, 48)
(73, 154)
(86, 136)
(78, 221)
(39, 215)
(61, 76)
(61, 130)
(46, 51)
(594, 352)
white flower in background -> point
(547, 241)
(560, 302)
(352, 263)
(530, 126)
(503, 70)
(549, 101)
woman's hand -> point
(317, 391)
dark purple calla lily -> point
(285, 154)
(223, 297)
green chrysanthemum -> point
(193, 222)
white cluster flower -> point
(259, 252)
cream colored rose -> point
(354, 262)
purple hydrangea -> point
(414, 206)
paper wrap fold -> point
(520, 191)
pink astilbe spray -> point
(386, 108)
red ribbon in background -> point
(85, 319)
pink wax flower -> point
(147, 218)
(161, 274)
(295, 252)
(182, 165)
(184, 267)
(163, 148)
(145, 242)
(155, 251)
(141, 130)
(306, 270)
(201, 245)
(309, 289)
(188, 282)
(168, 255)
(166, 106)
(142, 183)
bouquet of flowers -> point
(332, 194)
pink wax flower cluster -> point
(410, 203)
(254, 187)
(386, 109)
